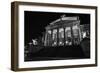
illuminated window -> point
(49, 31)
(49, 38)
(68, 38)
(75, 31)
(61, 36)
(54, 37)
(76, 34)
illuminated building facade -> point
(63, 31)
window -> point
(61, 36)
(68, 38)
(76, 34)
(54, 37)
(75, 31)
(49, 38)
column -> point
(64, 37)
(47, 38)
(51, 36)
(57, 36)
(80, 33)
(72, 34)
(45, 43)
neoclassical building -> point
(63, 31)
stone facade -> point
(63, 31)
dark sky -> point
(36, 21)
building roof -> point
(63, 20)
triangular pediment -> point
(67, 19)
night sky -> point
(35, 22)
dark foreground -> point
(55, 53)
